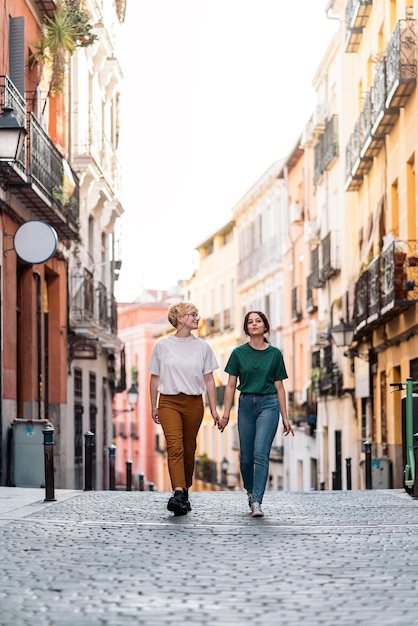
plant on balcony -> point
(297, 413)
(316, 375)
(203, 467)
(134, 374)
(399, 258)
(68, 29)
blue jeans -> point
(258, 419)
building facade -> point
(58, 315)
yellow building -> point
(213, 289)
(377, 291)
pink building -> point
(136, 437)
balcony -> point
(395, 77)
(401, 64)
(92, 308)
(356, 15)
(326, 377)
(387, 287)
(311, 295)
(330, 256)
(315, 277)
(326, 150)
(394, 82)
(296, 304)
(42, 180)
(259, 260)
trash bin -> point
(382, 473)
(28, 453)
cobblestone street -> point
(120, 558)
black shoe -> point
(186, 497)
(177, 503)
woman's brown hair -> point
(265, 321)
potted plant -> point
(69, 28)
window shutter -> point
(17, 52)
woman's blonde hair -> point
(179, 309)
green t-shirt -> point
(257, 370)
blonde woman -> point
(181, 368)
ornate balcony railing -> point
(361, 299)
(269, 254)
(311, 296)
(326, 150)
(356, 16)
(401, 64)
(41, 179)
(92, 307)
(394, 81)
(368, 114)
(296, 304)
(330, 256)
(399, 275)
(387, 286)
(330, 139)
(316, 277)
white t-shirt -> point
(181, 363)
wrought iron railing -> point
(296, 304)
(330, 256)
(388, 285)
(92, 302)
(40, 175)
(401, 64)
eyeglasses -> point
(195, 315)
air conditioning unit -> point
(311, 232)
(318, 333)
(296, 212)
(319, 119)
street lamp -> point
(133, 395)
(342, 335)
(12, 136)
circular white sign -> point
(35, 242)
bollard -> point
(48, 432)
(368, 450)
(348, 472)
(150, 486)
(128, 475)
(334, 480)
(112, 455)
(88, 460)
(322, 485)
(141, 482)
(415, 490)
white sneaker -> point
(256, 510)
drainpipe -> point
(39, 340)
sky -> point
(214, 93)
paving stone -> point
(120, 559)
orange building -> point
(34, 296)
(57, 318)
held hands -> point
(223, 423)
